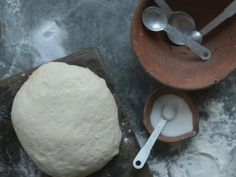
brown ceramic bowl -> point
(192, 106)
(177, 66)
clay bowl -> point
(148, 108)
(177, 66)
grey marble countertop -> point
(35, 32)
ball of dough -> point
(66, 120)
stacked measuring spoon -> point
(189, 27)
(181, 28)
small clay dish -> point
(177, 66)
(148, 109)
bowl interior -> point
(178, 66)
(148, 109)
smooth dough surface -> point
(66, 120)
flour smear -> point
(211, 153)
(27, 47)
(48, 39)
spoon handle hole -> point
(138, 163)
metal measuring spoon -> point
(164, 5)
(228, 12)
(181, 21)
(168, 113)
(185, 24)
(155, 19)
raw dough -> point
(66, 119)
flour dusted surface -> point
(66, 119)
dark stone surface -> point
(34, 32)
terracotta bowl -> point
(192, 106)
(177, 66)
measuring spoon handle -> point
(229, 11)
(163, 4)
(143, 154)
(201, 51)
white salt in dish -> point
(186, 122)
(183, 121)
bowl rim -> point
(148, 107)
(142, 4)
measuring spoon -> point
(228, 12)
(155, 19)
(182, 21)
(168, 113)
(163, 4)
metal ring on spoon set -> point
(183, 22)
(155, 19)
(186, 24)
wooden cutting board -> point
(14, 162)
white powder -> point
(211, 153)
(198, 165)
(126, 140)
(26, 47)
(183, 122)
(47, 39)
(141, 138)
(24, 167)
(3, 65)
(13, 5)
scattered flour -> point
(13, 5)
(196, 165)
(48, 39)
(26, 47)
(141, 137)
(25, 167)
(3, 65)
(211, 153)
(126, 140)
